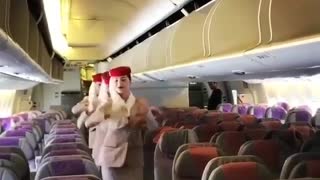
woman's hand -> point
(88, 112)
(138, 118)
(106, 108)
(106, 116)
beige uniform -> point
(118, 146)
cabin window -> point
(297, 92)
(6, 102)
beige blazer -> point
(113, 146)
(91, 123)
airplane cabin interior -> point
(159, 89)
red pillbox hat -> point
(96, 78)
(106, 77)
(120, 71)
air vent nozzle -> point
(239, 72)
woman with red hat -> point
(87, 106)
(121, 153)
(98, 114)
(82, 107)
(93, 103)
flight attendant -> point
(121, 153)
(92, 104)
(80, 108)
(98, 115)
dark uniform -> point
(215, 99)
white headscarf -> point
(93, 96)
(103, 93)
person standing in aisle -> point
(82, 107)
(98, 115)
(92, 105)
(216, 96)
(125, 116)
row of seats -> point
(254, 138)
(170, 117)
(60, 149)
(179, 156)
(279, 111)
(66, 154)
(19, 144)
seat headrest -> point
(191, 162)
(171, 141)
(241, 170)
(218, 161)
(298, 115)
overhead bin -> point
(136, 57)
(233, 26)
(40, 52)
(10, 82)
(187, 43)
(159, 50)
(15, 61)
(56, 69)
(231, 39)
(33, 43)
(126, 59)
(122, 60)
(180, 2)
(294, 40)
(60, 70)
(22, 51)
(46, 60)
(139, 58)
(19, 22)
(292, 19)
(3, 14)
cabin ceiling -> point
(283, 42)
(96, 29)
